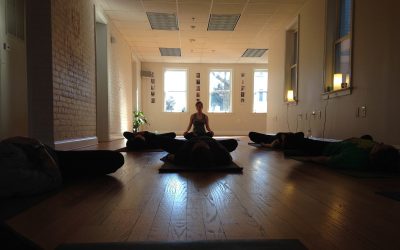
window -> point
(339, 43)
(220, 91)
(342, 46)
(260, 91)
(291, 63)
(175, 94)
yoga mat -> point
(362, 174)
(391, 195)
(169, 167)
(368, 174)
(279, 244)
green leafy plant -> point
(138, 120)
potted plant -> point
(138, 120)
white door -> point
(13, 82)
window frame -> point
(186, 89)
(292, 61)
(230, 90)
(254, 92)
(333, 39)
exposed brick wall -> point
(74, 88)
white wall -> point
(120, 85)
(311, 43)
(239, 122)
(102, 116)
(376, 63)
(137, 83)
(123, 77)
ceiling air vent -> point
(223, 22)
(254, 52)
(170, 51)
(162, 21)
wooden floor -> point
(274, 198)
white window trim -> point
(231, 90)
(187, 88)
(294, 27)
(259, 70)
(330, 44)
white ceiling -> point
(259, 21)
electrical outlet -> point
(319, 115)
(363, 111)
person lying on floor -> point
(282, 140)
(144, 140)
(353, 153)
(29, 167)
(199, 151)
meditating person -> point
(200, 151)
(200, 123)
(352, 153)
(144, 140)
(28, 167)
(282, 140)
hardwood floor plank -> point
(274, 198)
(142, 226)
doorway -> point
(13, 81)
(102, 118)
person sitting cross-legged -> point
(200, 123)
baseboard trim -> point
(75, 143)
(114, 137)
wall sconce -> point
(290, 96)
(337, 81)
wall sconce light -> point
(290, 95)
(337, 81)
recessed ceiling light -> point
(254, 52)
(223, 22)
(162, 21)
(170, 51)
